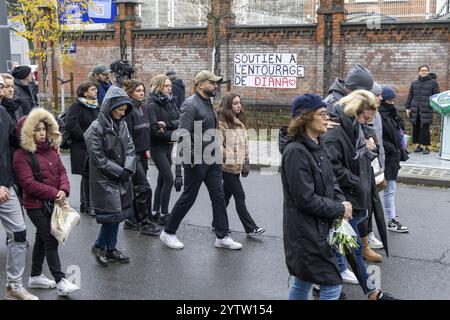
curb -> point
(406, 179)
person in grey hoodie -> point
(357, 78)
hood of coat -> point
(178, 82)
(26, 125)
(428, 77)
(338, 86)
(114, 97)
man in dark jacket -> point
(357, 78)
(198, 118)
(100, 76)
(11, 215)
(418, 108)
(22, 88)
(178, 89)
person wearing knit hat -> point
(359, 78)
(312, 200)
(23, 90)
(393, 140)
(387, 93)
(306, 102)
(21, 72)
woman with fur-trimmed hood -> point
(39, 137)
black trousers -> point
(211, 175)
(142, 190)
(163, 162)
(421, 133)
(45, 245)
(232, 186)
(85, 202)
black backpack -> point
(66, 139)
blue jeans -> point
(107, 237)
(301, 290)
(389, 199)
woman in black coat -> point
(112, 163)
(78, 119)
(163, 115)
(418, 108)
(392, 124)
(350, 154)
(139, 128)
(312, 200)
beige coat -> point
(234, 145)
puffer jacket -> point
(53, 173)
(110, 152)
(418, 98)
(234, 145)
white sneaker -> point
(227, 243)
(18, 293)
(171, 240)
(374, 243)
(41, 282)
(66, 287)
(349, 277)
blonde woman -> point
(350, 154)
(163, 116)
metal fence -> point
(397, 9)
(266, 12)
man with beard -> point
(197, 112)
(100, 76)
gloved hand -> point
(178, 178)
(245, 169)
(125, 176)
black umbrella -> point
(353, 262)
(378, 212)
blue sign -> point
(99, 11)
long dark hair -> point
(226, 110)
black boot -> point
(117, 256)
(131, 225)
(99, 256)
(150, 229)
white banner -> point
(267, 70)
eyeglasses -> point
(324, 114)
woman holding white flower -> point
(312, 201)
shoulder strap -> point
(35, 166)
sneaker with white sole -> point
(228, 243)
(13, 292)
(41, 282)
(396, 226)
(256, 232)
(65, 287)
(349, 277)
(374, 243)
(171, 240)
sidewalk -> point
(420, 169)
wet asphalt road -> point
(418, 266)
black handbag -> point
(48, 204)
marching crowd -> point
(328, 155)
